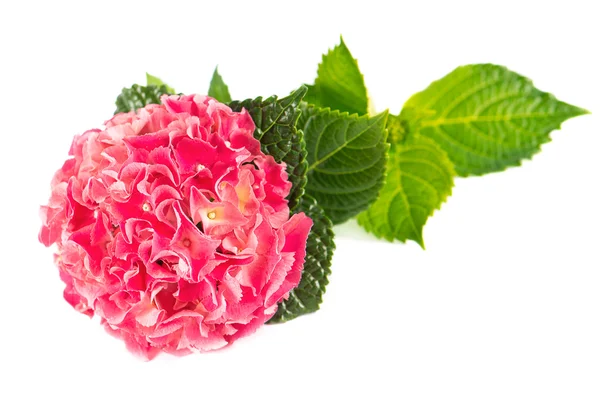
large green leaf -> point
(346, 159)
(275, 121)
(339, 84)
(218, 89)
(419, 179)
(486, 117)
(135, 97)
(307, 297)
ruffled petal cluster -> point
(172, 226)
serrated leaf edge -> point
(369, 227)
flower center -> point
(146, 207)
(199, 167)
(186, 242)
(211, 215)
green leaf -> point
(346, 159)
(131, 99)
(419, 179)
(486, 117)
(152, 80)
(275, 121)
(307, 297)
(339, 84)
(218, 89)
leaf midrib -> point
(400, 192)
(275, 120)
(490, 118)
(329, 155)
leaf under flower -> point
(307, 297)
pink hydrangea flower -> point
(172, 226)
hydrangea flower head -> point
(172, 227)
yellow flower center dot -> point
(146, 207)
(211, 215)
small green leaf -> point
(131, 99)
(419, 179)
(307, 297)
(275, 121)
(346, 159)
(339, 84)
(218, 89)
(152, 80)
(486, 117)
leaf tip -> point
(575, 110)
(152, 80)
(385, 113)
(301, 91)
(583, 111)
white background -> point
(505, 301)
